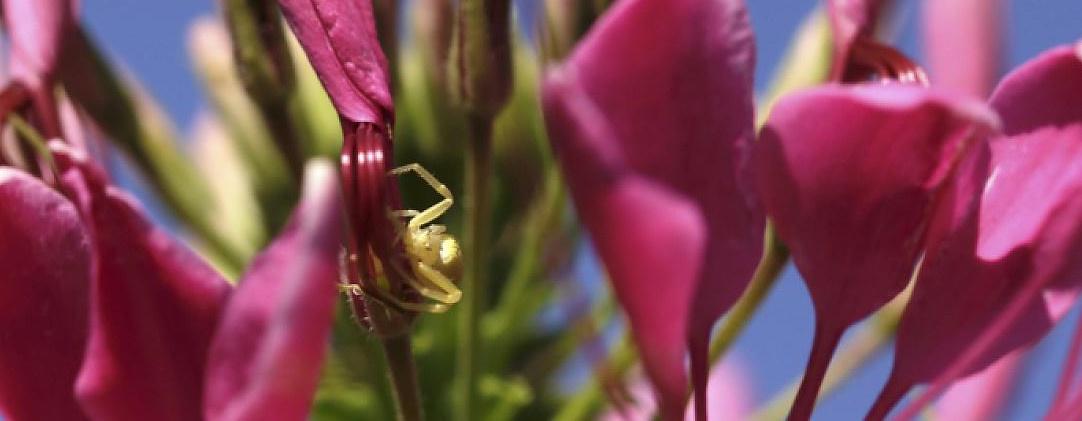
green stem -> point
(403, 374)
(31, 135)
(475, 258)
(588, 401)
(775, 255)
(514, 304)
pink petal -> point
(1042, 92)
(983, 396)
(1029, 230)
(731, 396)
(154, 306)
(44, 283)
(1025, 237)
(963, 44)
(339, 37)
(677, 105)
(36, 31)
(266, 357)
(849, 176)
(849, 20)
(650, 239)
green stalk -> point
(403, 373)
(775, 255)
(589, 400)
(515, 300)
(32, 137)
(475, 259)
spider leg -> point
(357, 290)
(445, 290)
(433, 212)
(406, 213)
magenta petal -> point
(44, 288)
(650, 240)
(154, 306)
(1042, 92)
(963, 44)
(1024, 235)
(983, 396)
(1029, 230)
(339, 37)
(266, 357)
(849, 177)
(36, 30)
(678, 103)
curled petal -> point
(678, 115)
(339, 37)
(154, 305)
(650, 240)
(268, 351)
(44, 289)
(1042, 92)
(850, 177)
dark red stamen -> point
(370, 194)
(870, 60)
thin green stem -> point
(514, 302)
(400, 368)
(32, 136)
(588, 401)
(775, 255)
(475, 258)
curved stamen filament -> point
(871, 60)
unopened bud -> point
(480, 65)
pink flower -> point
(653, 131)
(849, 176)
(165, 332)
(1002, 272)
(340, 40)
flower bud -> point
(480, 66)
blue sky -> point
(149, 38)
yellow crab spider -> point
(434, 255)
